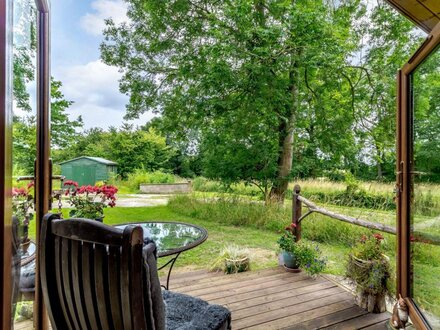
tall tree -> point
(64, 130)
(235, 70)
(388, 42)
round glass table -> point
(171, 239)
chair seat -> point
(184, 312)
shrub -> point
(232, 211)
(368, 267)
(232, 259)
(306, 256)
(141, 176)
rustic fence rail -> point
(298, 201)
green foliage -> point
(142, 176)
(368, 267)
(305, 255)
(243, 77)
(63, 130)
(232, 259)
(232, 211)
(131, 148)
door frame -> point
(404, 168)
(43, 168)
(5, 162)
(43, 165)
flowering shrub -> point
(22, 203)
(368, 267)
(90, 201)
(307, 256)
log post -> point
(296, 211)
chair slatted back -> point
(91, 274)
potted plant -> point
(369, 268)
(22, 203)
(89, 201)
(299, 255)
(232, 259)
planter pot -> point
(373, 303)
(289, 261)
(236, 265)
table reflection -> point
(171, 236)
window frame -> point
(404, 170)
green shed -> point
(88, 170)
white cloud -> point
(93, 23)
(94, 88)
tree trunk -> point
(279, 187)
(285, 142)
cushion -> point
(184, 312)
(152, 292)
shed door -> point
(84, 175)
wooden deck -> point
(275, 299)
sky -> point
(76, 35)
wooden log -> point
(416, 236)
(355, 221)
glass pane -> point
(425, 215)
(24, 143)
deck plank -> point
(273, 299)
(337, 318)
(360, 322)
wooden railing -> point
(299, 201)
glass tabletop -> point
(171, 237)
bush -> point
(232, 259)
(141, 176)
(232, 211)
(205, 185)
(368, 267)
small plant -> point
(232, 259)
(369, 268)
(89, 201)
(300, 254)
(22, 203)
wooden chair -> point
(94, 276)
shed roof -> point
(425, 13)
(96, 159)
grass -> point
(247, 223)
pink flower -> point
(30, 184)
(71, 183)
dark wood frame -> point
(5, 164)
(404, 170)
(85, 286)
(42, 170)
(42, 164)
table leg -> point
(171, 261)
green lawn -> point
(333, 237)
(261, 243)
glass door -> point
(418, 184)
(425, 183)
(24, 61)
